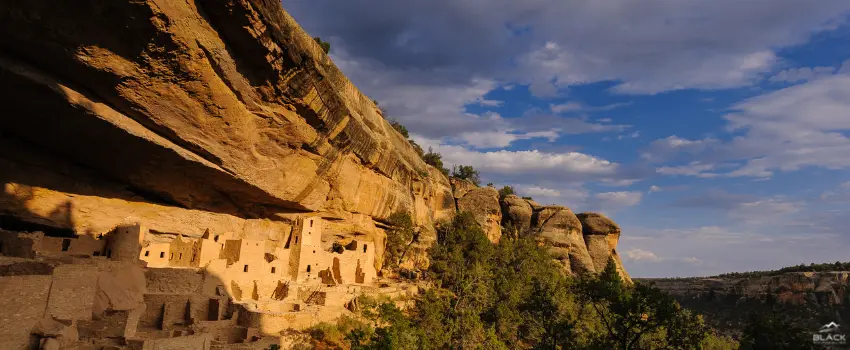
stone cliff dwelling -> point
(157, 289)
(299, 257)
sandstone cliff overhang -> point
(224, 106)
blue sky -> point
(716, 133)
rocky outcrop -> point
(808, 299)
(562, 230)
(516, 211)
(582, 243)
(601, 235)
(460, 187)
(534, 205)
(483, 203)
(213, 114)
(817, 288)
(219, 114)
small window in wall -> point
(147, 253)
(296, 239)
(180, 256)
(215, 239)
(311, 223)
(314, 252)
(161, 254)
(273, 269)
(308, 268)
(171, 257)
(364, 248)
(245, 269)
(66, 244)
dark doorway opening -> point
(212, 313)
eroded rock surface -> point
(517, 211)
(483, 203)
(221, 115)
(460, 187)
(601, 235)
(563, 230)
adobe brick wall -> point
(17, 244)
(174, 281)
(23, 301)
(198, 341)
(112, 324)
(181, 253)
(72, 293)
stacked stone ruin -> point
(133, 287)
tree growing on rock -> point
(400, 128)
(467, 172)
(326, 46)
(436, 160)
(506, 191)
(399, 237)
(639, 316)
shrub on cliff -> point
(400, 128)
(399, 236)
(436, 160)
(467, 172)
(417, 148)
(506, 191)
(326, 46)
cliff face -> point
(581, 243)
(814, 288)
(219, 114)
(810, 299)
(222, 115)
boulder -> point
(51, 328)
(483, 203)
(517, 211)
(120, 287)
(534, 205)
(601, 235)
(56, 334)
(543, 214)
(597, 224)
(561, 228)
(50, 344)
(460, 187)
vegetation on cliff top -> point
(326, 46)
(825, 267)
(466, 172)
(436, 160)
(506, 191)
